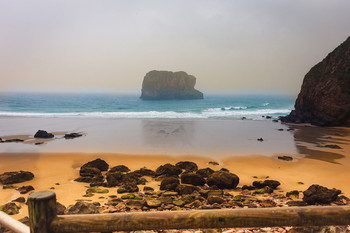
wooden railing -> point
(43, 218)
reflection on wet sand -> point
(312, 142)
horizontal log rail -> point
(42, 209)
(13, 224)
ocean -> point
(254, 107)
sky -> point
(230, 46)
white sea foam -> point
(209, 113)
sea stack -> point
(166, 85)
(324, 98)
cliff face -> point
(162, 85)
(324, 98)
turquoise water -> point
(130, 106)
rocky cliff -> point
(324, 98)
(162, 85)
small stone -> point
(10, 208)
(153, 203)
(285, 158)
(96, 190)
(25, 189)
(20, 200)
(293, 194)
(179, 203)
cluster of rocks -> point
(45, 134)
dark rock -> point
(317, 194)
(84, 179)
(270, 183)
(248, 187)
(8, 186)
(114, 179)
(10, 208)
(128, 188)
(60, 209)
(15, 177)
(168, 170)
(293, 194)
(223, 180)
(224, 170)
(268, 203)
(153, 203)
(324, 98)
(268, 117)
(43, 134)
(333, 146)
(72, 135)
(285, 158)
(119, 168)
(161, 85)
(296, 203)
(187, 165)
(192, 178)
(260, 139)
(146, 188)
(14, 140)
(82, 207)
(213, 163)
(89, 172)
(215, 199)
(97, 163)
(169, 183)
(186, 189)
(145, 172)
(166, 200)
(264, 190)
(205, 172)
(20, 200)
(135, 204)
(25, 189)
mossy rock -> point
(264, 190)
(245, 202)
(237, 198)
(10, 208)
(187, 199)
(96, 190)
(293, 194)
(138, 197)
(128, 196)
(175, 208)
(179, 203)
(153, 203)
(88, 195)
(8, 186)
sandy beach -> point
(312, 164)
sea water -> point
(254, 107)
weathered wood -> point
(13, 224)
(42, 210)
(223, 218)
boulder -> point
(20, 200)
(168, 170)
(43, 134)
(10, 208)
(192, 178)
(25, 189)
(97, 163)
(187, 166)
(205, 172)
(119, 168)
(324, 98)
(128, 188)
(273, 184)
(60, 209)
(145, 172)
(163, 85)
(15, 177)
(317, 194)
(186, 189)
(89, 172)
(153, 203)
(114, 179)
(223, 180)
(82, 207)
(169, 183)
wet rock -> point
(10, 208)
(20, 200)
(296, 203)
(333, 146)
(192, 178)
(96, 190)
(260, 139)
(8, 186)
(224, 170)
(186, 189)
(168, 170)
(179, 203)
(215, 199)
(25, 189)
(43, 134)
(317, 194)
(213, 163)
(270, 183)
(14, 140)
(285, 158)
(248, 187)
(15, 177)
(114, 179)
(293, 194)
(135, 204)
(60, 208)
(223, 180)
(128, 188)
(153, 203)
(166, 200)
(205, 172)
(145, 172)
(169, 183)
(128, 196)
(147, 188)
(89, 172)
(187, 165)
(82, 207)
(84, 179)
(264, 190)
(97, 163)
(72, 135)
(119, 168)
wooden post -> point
(42, 210)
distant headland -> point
(166, 85)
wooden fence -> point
(43, 218)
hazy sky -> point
(230, 46)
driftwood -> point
(43, 204)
